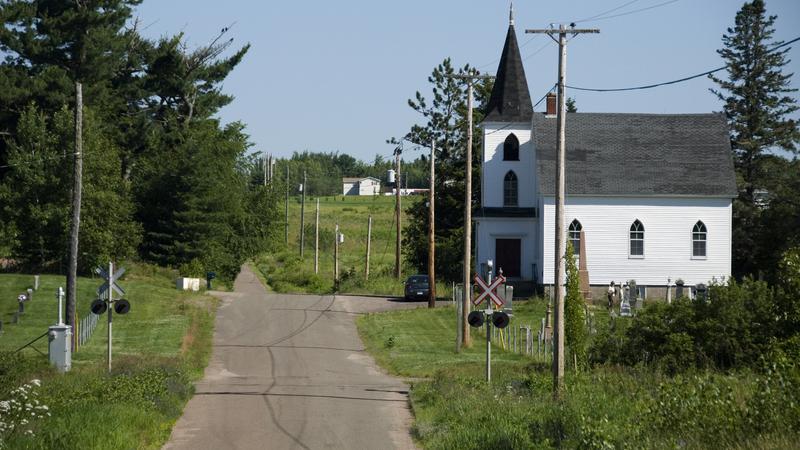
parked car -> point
(417, 288)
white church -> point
(652, 193)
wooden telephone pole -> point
(431, 235)
(303, 217)
(466, 338)
(397, 214)
(316, 240)
(369, 242)
(287, 202)
(558, 348)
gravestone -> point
(625, 308)
(36, 282)
(678, 288)
(583, 270)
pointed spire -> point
(511, 15)
(510, 100)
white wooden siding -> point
(668, 224)
(494, 169)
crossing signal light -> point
(122, 306)
(500, 319)
(98, 307)
(475, 319)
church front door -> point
(507, 252)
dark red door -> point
(507, 252)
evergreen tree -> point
(572, 107)
(446, 116)
(574, 310)
(757, 107)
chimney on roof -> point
(551, 104)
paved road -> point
(289, 371)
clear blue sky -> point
(335, 76)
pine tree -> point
(574, 312)
(757, 107)
(446, 115)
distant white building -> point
(651, 193)
(361, 186)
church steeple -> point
(510, 100)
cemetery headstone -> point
(678, 288)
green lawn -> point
(285, 271)
(160, 347)
(604, 407)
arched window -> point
(510, 189)
(699, 233)
(637, 239)
(511, 148)
(574, 236)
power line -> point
(606, 12)
(680, 80)
(594, 19)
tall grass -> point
(160, 347)
(605, 407)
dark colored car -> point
(417, 288)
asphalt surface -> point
(290, 372)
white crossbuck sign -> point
(489, 290)
(104, 287)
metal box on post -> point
(59, 348)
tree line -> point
(163, 179)
(325, 170)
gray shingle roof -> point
(638, 154)
(510, 100)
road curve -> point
(290, 372)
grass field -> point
(604, 407)
(160, 347)
(285, 271)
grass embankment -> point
(160, 347)
(285, 271)
(601, 408)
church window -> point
(511, 148)
(575, 236)
(699, 234)
(510, 189)
(637, 239)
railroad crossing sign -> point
(489, 290)
(113, 279)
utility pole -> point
(303, 216)
(316, 241)
(270, 168)
(558, 283)
(74, 229)
(369, 238)
(336, 259)
(287, 202)
(397, 214)
(265, 162)
(466, 338)
(431, 231)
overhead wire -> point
(628, 12)
(680, 80)
(606, 12)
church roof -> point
(612, 154)
(510, 100)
